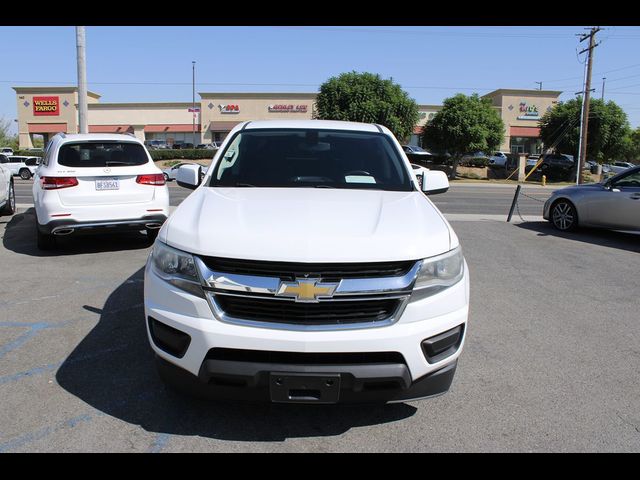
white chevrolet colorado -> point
(308, 267)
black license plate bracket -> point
(304, 387)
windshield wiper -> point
(244, 185)
(114, 163)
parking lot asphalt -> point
(550, 363)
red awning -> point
(110, 128)
(222, 126)
(47, 127)
(524, 132)
(171, 127)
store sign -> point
(528, 112)
(229, 108)
(288, 108)
(46, 106)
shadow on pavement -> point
(20, 237)
(113, 370)
(607, 238)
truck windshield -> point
(311, 158)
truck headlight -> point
(438, 273)
(176, 267)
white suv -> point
(93, 183)
(308, 267)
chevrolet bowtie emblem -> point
(307, 290)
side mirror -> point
(434, 182)
(189, 176)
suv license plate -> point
(108, 184)
(304, 388)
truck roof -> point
(315, 124)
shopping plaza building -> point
(45, 111)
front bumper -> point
(257, 382)
(413, 377)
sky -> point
(154, 64)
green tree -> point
(6, 139)
(608, 130)
(464, 124)
(366, 97)
(632, 146)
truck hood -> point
(308, 225)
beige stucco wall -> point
(253, 106)
(511, 104)
(67, 113)
(139, 114)
(426, 113)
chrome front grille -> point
(255, 296)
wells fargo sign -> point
(46, 106)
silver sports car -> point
(614, 204)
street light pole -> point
(83, 121)
(193, 101)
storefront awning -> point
(222, 126)
(524, 132)
(171, 127)
(47, 127)
(110, 128)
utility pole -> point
(603, 80)
(539, 83)
(587, 98)
(193, 101)
(83, 121)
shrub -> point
(28, 153)
(475, 162)
(186, 154)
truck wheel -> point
(25, 174)
(10, 206)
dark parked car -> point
(555, 166)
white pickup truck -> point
(25, 167)
(308, 267)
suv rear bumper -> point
(254, 382)
(70, 226)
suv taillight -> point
(54, 183)
(151, 179)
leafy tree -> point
(366, 97)
(608, 130)
(6, 139)
(464, 124)
(632, 146)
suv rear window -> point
(102, 154)
(311, 158)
